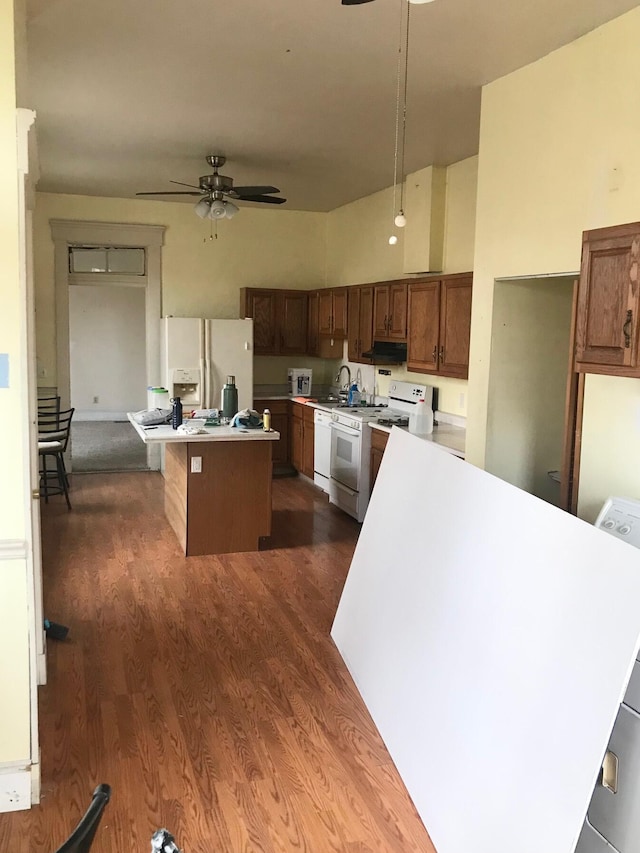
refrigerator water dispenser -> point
(186, 385)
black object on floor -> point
(54, 630)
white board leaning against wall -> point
(491, 636)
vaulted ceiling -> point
(296, 93)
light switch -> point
(196, 464)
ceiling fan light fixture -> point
(230, 209)
(418, 2)
(202, 208)
(217, 209)
(401, 219)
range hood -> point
(386, 352)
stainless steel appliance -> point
(322, 449)
(613, 818)
(351, 443)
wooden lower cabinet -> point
(302, 438)
(280, 423)
(379, 441)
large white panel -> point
(231, 352)
(491, 636)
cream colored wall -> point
(14, 625)
(200, 277)
(530, 358)
(559, 154)
(358, 251)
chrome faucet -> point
(339, 374)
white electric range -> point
(351, 443)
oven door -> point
(346, 447)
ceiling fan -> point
(216, 189)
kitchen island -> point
(217, 491)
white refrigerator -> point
(198, 355)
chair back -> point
(49, 404)
(56, 426)
(82, 836)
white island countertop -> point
(165, 434)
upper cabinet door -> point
(455, 326)
(366, 322)
(261, 305)
(293, 322)
(353, 324)
(325, 309)
(423, 325)
(380, 311)
(339, 312)
(607, 314)
(312, 325)
(397, 328)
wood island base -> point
(224, 508)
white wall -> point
(529, 365)
(107, 350)
(14, 496)
(558, 155)
(358, 252)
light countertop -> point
(165, 434)
(447, 436)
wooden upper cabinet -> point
(279, 320)
(292, 306)
(424, 326)
(313, 319)
(439, 325)
(607, 321)
(390, 311)
(360, 323)
(455, 326)
(261, 306)
(332, 312)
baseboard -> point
(89, 415)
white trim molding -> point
(19, 787)
(13, 549)
(69, 232)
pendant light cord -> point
(401, 87)
(404, 108)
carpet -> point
(106, 446)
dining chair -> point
(49, 404)
(53, 437)
(82, 836)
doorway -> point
(532, 320)
(68, 234)
(107, 374)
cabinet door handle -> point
(435, 354)
(441, 353)
(390, 320)
(626, 329)
(385, 322)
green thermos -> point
(229, 398)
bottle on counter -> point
(229, 398)
(421, 420)
(266, 420)
(176, 412)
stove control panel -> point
(621, 518)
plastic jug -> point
(421, 420)
(229, 403)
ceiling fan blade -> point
(182, 184)
(184, 192)
(266, 199)
(354, 2)
(254, 190)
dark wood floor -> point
(206, 691)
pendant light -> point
(399, 218)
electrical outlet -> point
(15, 791)
(96, 399)
(196, 464)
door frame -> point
(68, 232)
